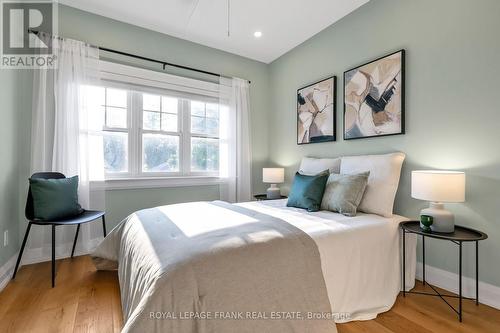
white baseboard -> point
(488, 293)
(6, 271)
(36, 255)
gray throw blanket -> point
(215, 267)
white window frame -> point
(138, 81)
(139, 156)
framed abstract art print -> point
(316, 110)
(374, 98)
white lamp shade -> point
(273, 175)
(438, 186)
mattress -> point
(360, 256)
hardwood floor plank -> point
(12, 291)
(397, 323)
(368, 326)
(85, 300)
(431, 312)
(19, 312)
(95, 303)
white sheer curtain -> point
(235, 150)
(66, 136)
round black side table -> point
(460, 235)
(261, 197)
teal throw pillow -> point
(55, 199)
(307, 191)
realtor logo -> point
(21, 47)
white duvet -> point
(360, 257)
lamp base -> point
(273, 192)
(443, 220)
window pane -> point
(151, 102)
(160, 153)
(197, 108)
(116, 117)
(115, 151)
(116, 97)
(169, 104)
(204, 154)
(208, 126)
(212, 126)
(151, 120)
(168, 122)
(212, 110)
(198, 125)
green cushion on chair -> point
(307, 191)
(55, 199)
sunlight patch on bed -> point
(194, 220)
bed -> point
(359, 260)
(262, 266)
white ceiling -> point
(284, 23)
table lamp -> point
(438, 186)
(273, 176)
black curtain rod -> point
(164, 63)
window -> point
(114, 107)
(157, 134)
(161, 134)
(204, 136)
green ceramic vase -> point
(426, 222)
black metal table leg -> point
(404, 263)
(53, 255)
(460, 282)
(477, 273)
(423, 259)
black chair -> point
(84, 217)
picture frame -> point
(374, 98)
(317, 112)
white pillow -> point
(383, 182)
(312, 166)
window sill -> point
(155, 182)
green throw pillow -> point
(55, 199)
(307, 191)
(343, 193)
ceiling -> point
(284, 23)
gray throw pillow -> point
(343, 193)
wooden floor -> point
(85, 300)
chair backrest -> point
(29, 211)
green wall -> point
(139, 199)
(9, 97)
(452, 112)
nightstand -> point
(262, 197)
(460, 235)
